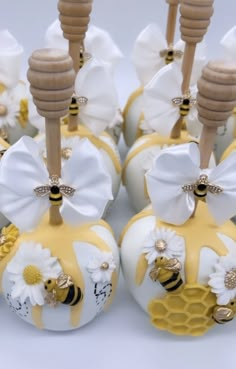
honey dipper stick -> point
(194, 21)
(51, 78)
(74, 17)
(171, 21)
(216, 100)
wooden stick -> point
(51, 77)
(171, 21)
(216, 99)
(74, 17)
(194, 21)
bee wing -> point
(154, 273)
(190, 187)
(64, 281)
(42, 190)
(82, 100)
(193, 101)
(177, 100)
(222, 313)
(67, 190)
(178, 53)
(173, 265)
(214, 189)
(163, 53)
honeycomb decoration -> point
(173, 257)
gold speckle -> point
(66, 153)
(161, 245)
(105, 266)
(230, 279)
(3, 110)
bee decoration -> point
(185, 103)
(224, 314)
(167, 272)
(201, 187)
(62, 290)
(76, 102)
(170, 54)
(2, 152)
(83, 57)
(55, 190)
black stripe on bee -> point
(173, 278)
(72, 293)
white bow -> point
(228, 42)
(162, 99)
(22, 171)
(97, 42)
(10, 59)
(94, 82)
(176, 175)
(149, 54)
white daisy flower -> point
(223, 280)
(9, 109)
(101, 267)
(31, 266)
(163, 242)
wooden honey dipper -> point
(194, 21)
(51, 76)
(216, 100)
(171, 20)
(74, 17)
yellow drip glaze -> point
(139, 130)
(129, 103)
(84, 132)
(59, 240)
(2, 88)
(229, 150)
(141, 269)
(153, 140)
(142, 214)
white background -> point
(123, 337)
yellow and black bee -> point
(75, 104)
(224, 314)
(167, 272)
(55, 191)
(83, 57)
(185, 103)
(170, 55)
(63, 290)
(201, 187)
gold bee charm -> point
(170, 54)
(76, 102)
(185, 103)
(167, 272)
(84, 57)
(62, 290)
(55, 190)
(201, 187)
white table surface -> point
(123, 337)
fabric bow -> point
(162, 99)
(22, 171)
(97, 42)
(228, 42)
(10, 59)
(176, 180)
(94, 82)
(151, 50)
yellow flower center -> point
(3, 110)
(32, 275)
(23, 113)
(2, 239)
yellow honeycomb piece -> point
(187, 311)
